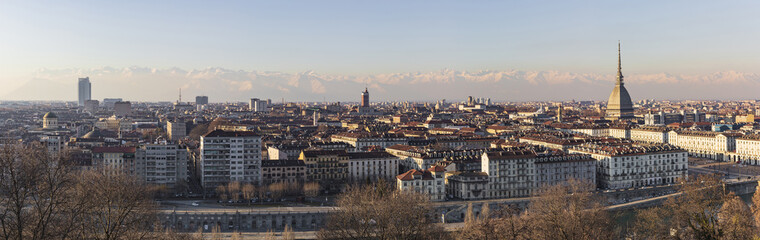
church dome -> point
(50, 115)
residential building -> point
(466, 185)
(283, 171)
(430, 182)
(163, 164)
(635, 165)
(176, 130)
(230, 156)
(372, 166)
(329, 167)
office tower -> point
(85, 91)
(229, 157)
(201, 100)
(619, 106)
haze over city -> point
(328, 50)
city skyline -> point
(306, 51)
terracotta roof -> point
(437, 169)
(408, 175)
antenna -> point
(180, 95)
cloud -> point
(317, 87)
(221, 84)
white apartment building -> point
(230, 156)
(430, 182)
(510, 173)
(619, 132)
(361, 140)
(363, 166)
(747, 149)
(712, 145)
(650, 134)
(633, 165)
(163, 164)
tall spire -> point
(620, 72)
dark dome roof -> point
(50, 115)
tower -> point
(85, 91)
(365, 98)
(559, 113)
(619, 105)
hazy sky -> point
(331, 48)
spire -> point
(619, 72)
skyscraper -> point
(619, 105)
(365, 98)
(85, 91)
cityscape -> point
(437, 157)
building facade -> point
(163, 164)
(85, 90)
(430, 182)
(633, 165)
(229, 156)
(372, 166)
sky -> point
(400, 50)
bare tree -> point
(34, 195)
(233, 188)
(506, 223)
(221, 191)
(248, 191)
(736, 220)
(756, 206)
(118, 207)
(311, 189)
(569, 211)
(376, 212)
(288, 234)
(276, 190)
(693, 214)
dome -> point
(50, 115)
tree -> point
(506, 223)
(233, 188)
(311, 189)
(736, 220)
(248, 191)
(117, 206)
(41, 198)
(569, 211)
(288, 233)
(376, 212)
(692, 214)
(276, 190)
(221, 191)
(756, 206)
(34, 194)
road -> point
(209, 206)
